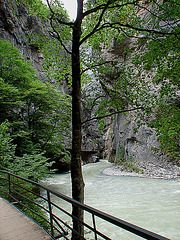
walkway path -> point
(14, 225)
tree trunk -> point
(76, 169)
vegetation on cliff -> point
(97, 24)
(35, 114)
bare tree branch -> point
(135, 3)
(93, 103)
(157, 16)
(96, 65)
(106, 6)
(103, 7)
(57, 36)
(98, 23)
(50, 135)
(93, 10)
(111, 114)
(70, 24)
(120, 25)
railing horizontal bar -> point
(28, 190)
(85, 224)
(60, 236)
(64, 223)
(30, 200)
(61, 209)
(14, 198)
(70, 215)
(91, 228)
(24, 196)
(116, 221)
(29, 209)
(5, 185)
(4, 192)
(4, 178)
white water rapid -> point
(153, 204)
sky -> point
(71, 6)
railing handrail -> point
(107, 217)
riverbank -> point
(151, 171)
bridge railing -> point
(25, 193)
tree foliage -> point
(146, 74)
(38, 112)
(167, 125)
(33, 166)
(160, 56)
(98, 24)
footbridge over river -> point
(33, 198)
(16, 226)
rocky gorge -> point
(142, 146)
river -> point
(153, 204)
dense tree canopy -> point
(37, 112)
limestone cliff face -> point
(92, 139)
(16, 25)
(139, 146)
(142, 145)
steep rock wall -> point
(16, 25)
(92, 139)
(142, 146)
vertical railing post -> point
(9, 186)
(50, 213)
(94, 225)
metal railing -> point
(26, 192)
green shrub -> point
(127, 163)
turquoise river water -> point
(153, 204)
